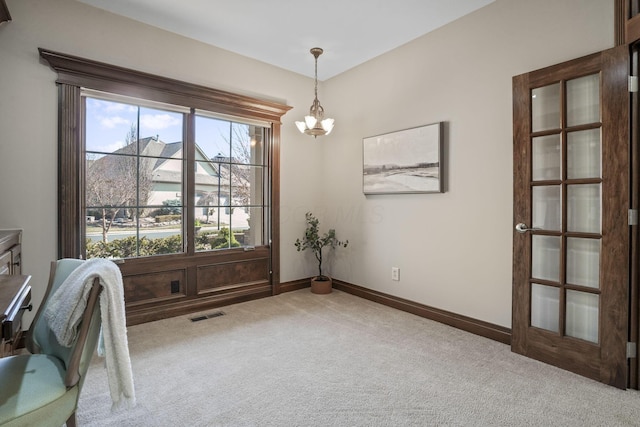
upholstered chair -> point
(42, 388)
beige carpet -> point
(300, 359)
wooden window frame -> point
(75, 73)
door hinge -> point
(633, 83)
(633, 217)
(631, 350)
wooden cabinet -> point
(10, 252)
(15, 298)
(5, 263)
(15, 292)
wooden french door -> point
(571, 215)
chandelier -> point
(315, 124)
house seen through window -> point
(148, 179)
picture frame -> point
(404, 162)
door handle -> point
(522, 228)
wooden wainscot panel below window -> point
(154, 287)
(232, 274)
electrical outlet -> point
(395, 273)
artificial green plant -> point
(315, 242)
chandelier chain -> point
(316, 88)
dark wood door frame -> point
(634, 297)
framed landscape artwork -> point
(406, 161)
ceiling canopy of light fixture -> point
(315, 124)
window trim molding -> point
(75, 73)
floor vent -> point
(207, 316)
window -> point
(231, 171)
(135, 196)
(179, 181)
(133, 183)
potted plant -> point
(312, 240)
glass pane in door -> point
(582, 315)
(545, 107)
(583, 154)
(583, 262)
(583, 208)
(545, 257)
(545, 307)
(547, 207)
(583, 100)
(547, 158)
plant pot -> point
(321, 285)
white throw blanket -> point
(64, 313)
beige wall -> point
(454, 249)
(28, 112)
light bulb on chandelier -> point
(315, 124)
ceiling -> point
(281, 32)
